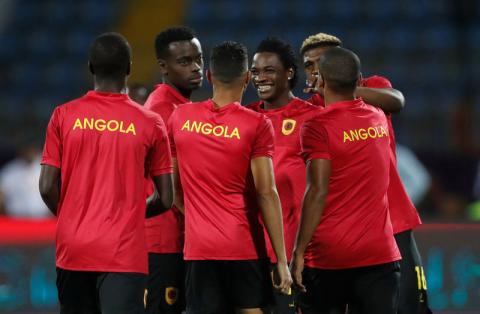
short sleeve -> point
(377, 82)
(314, 140)
(52, 150)
(170, 129)
(160, 159)
(264, 143)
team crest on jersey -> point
(288, 126)
(171, 295)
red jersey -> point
(288, 163)
(403, 213)
(165, 232)
(355, 228)
(104, 144)
(214, 148)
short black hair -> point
(170, 35)
(285, 53)
(110, 55)
(228, 61)
(340, 68)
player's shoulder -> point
(249, 113)
(255, 106)
(376, 81)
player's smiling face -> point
(184, 65)
(269, 76)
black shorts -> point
(283, 304)
(368, 290)
(166, 284)
(413, 284)
(85, 292)
(222, 286)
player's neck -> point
(331, 98)
(187, 93)
(222, 97)
(110, 85)
(278, 102)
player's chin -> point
(195, 85)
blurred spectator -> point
(138, 93)
(415, 176)
(19, 185)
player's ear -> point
(209, 76)
(360, 79)
(290, 74)
(90, 68)
(248, 78)
(320, 82)
(163, 66)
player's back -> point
(106, 140)
(355, 228)
(214, 148)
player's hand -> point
(282, 280)
(296, 267)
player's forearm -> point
(156, 205)
(312, 210)
(387, 99)
(271, 209)
(178, 201)
(177, 186)
(49, 186)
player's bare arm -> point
(269, 202)
(162, 199)
(387, 99)
(177, 188)
(49, 185)
(318, 176)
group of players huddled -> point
(280, 206)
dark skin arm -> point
(178, 190)
(318, 176)
(162, 199)
(269, 202)
(388, 99)
(49, 186)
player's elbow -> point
(397, 101)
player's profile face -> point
(310, 63)
(269, 77)
(184, 64)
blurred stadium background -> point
(429, 49)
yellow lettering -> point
(370, 130)
(384, 132)
(226, 133)
(100, 125)
(131, 128)
(186, 125)
(235, 133)
(109, 125)
(354, 135)
(363, 134)
(207, 128)
(88, 123)
(218, 130)
(346, 137)
(121, 129)
(196, 126)
(77, 124)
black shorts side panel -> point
(77, 292)
(413, 285)
(121, 293)
(166, 284)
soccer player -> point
(274, 75)
(345, 238)
(179, 55)
(224, 156)
(97, 151)
(378, 91)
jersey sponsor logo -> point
(288, 126)
(362, 134)
(171, 295)
(102, 125)
(210, 129)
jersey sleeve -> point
(264, 144)
(160, 160)
(377, 82)
(314, 140)
(52, 150)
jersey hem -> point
(390, 259)
(105, 270)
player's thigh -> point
(413, 283)
(166, 284)
(376, 289)
(250, 283)
(121, 293)
(327, 291)
(205, 292)
(77, 292)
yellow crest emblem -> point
(171, 295)
(288, 126)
